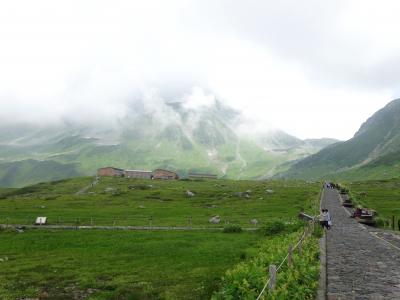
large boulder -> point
(215, 220)
(254, 222)
(189, 193)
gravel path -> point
(359, 265)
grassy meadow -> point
(118, 264)
(121, 201)
(99, 264)
(380, 195)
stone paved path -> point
(359, 265)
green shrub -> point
(246, 279)
(381, 222)
(318, 232)
(273, 228)
(232, 229)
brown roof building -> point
(164, 174)
(110, 171)
(138, 174)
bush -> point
(273, 228)
(318, 232)
(247, 278)
(232, 229)
(381, 222)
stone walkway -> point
(359, 265)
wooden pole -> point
(300, 247)
(272, 277)
(290, 256)
(393, 223)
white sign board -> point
(41, 220)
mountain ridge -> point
(173, 136)
(378, 136)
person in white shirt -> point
(324, 219)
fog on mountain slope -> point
(372, 153)
(177, 136)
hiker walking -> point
(329, 219)
(324, 219)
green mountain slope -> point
(27, 172)
(371, 153)
(173, 136)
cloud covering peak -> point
(299, 66)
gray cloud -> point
(280, 62)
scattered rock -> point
(43, 295)
(254, 221)
(109, 189)
(269, 191)
(215, 220)
(141, 206)
(189, 193)
(19, 230)
(211, 206)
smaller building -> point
(41, 221)
(138, 174)
(110, 171)
(202, 176)
(164, 174)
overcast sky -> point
(311, 68)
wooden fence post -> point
(300, 247)
(398, 223)
(393, 226)
(306, 231)
(290, 256)
(151, 222)
(272, 277)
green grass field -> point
(118, 264)
(380, 195)
(98, 264)
(133, 202)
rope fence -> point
(273, 270)
(141, 220)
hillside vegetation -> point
(372, 153)
(177, 137)
(191, 264)
(122, 201)
(380, 195)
